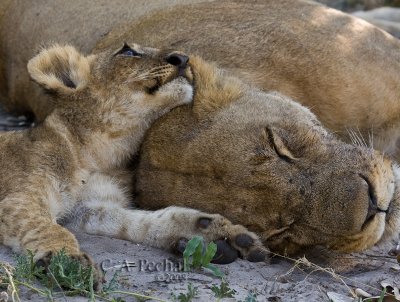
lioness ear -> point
(60, 69)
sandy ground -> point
(279, 280)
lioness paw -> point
(232, 241)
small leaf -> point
(251, 297)
(186, 264)
(382, 296)
(209, 254)
(215, 270)
(190, 250)
(192, 245)
(223, 291)
(197, 256)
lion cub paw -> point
(177, 92)
(84, 259)
(232, 241)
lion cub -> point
(73, 163)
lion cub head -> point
(109, 100)
(64, 70)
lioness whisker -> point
(371, 139)
(363, 141)
(357, 138)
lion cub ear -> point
(60, 69)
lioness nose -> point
(373, 208)
(177, 59)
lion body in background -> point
(343, 68)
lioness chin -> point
(73, 163)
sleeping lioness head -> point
(267, 163)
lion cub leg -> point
(103, 211)
(27, 224)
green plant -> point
(381, 297)
(119, 299)
(197, 255)
(251, 297)
(223, 291)
(112, 284)
(26, 269)
(66, 272)
(191, 293)
(62, 273)
(64, 276)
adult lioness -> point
(267, 163)
(343, 68)
(76, 158)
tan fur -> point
(343, 68)
(74, 161)
(207, 98)
(44, 71)
(267, 163)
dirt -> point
(279, 280)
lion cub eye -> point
(126, 51)
(279, 147)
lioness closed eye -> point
(70, 163)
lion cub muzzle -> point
(179, 60)
(173, 65)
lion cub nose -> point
(177, 59)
